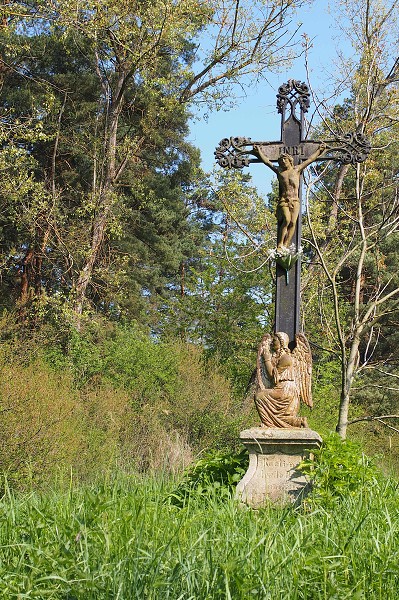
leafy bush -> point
(111, 397)
(40, 427)
(337, 469)
(216, 469)
(173, 392)
(124, 356)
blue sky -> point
(256, 116)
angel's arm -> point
(267, 357)
(312, 157)
(258, 152)
(264, 361)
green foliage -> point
(325, 390)
(338, 469)
(214, 470)
(96, 172)
(227, 299)
(109, 397)
(125, 357)
(55, 140)
(120, 539)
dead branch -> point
(378, 418)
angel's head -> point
(281, 341)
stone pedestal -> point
(274, 455)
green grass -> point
(124, 540)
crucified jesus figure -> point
(289, 204)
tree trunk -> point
(87, 271)
(343, 415)
(182, 279)
(104, 199)
(332, 219)
(348, 374)
(26, 276)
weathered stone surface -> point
(283, 378)
(274, 455)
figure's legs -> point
(294, 213)
(267, 404)
(284, 219)
(281, 232)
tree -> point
(227, 299)
(23, 197)
(354, 214)
(52, 87)
(149, 51)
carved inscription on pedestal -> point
(277, 465)
(279, 470)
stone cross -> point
(239, 152)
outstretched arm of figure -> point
(312, 157)
(258, 152)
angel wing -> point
(262, 378)
(302, 356)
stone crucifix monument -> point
(284, 363)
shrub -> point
(337, 469)
(111, 398)
(40, 423)
(216, 469)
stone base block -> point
(274, 455)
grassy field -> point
(124, 539)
